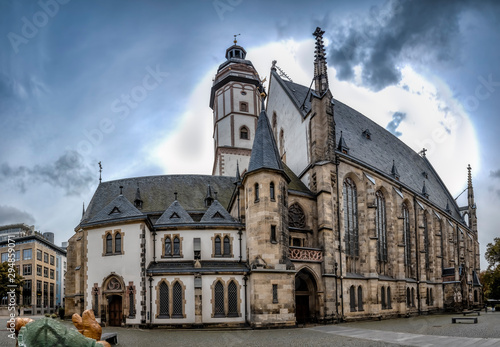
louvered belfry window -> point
(350, 218)
(164, 300)
(232, 299)
(177, 301)
(380, 222)
(219, 299)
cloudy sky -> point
(127, 83)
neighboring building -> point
(332, 218)
(15, 230)
(36, 261)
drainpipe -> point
(150, 300)
(337, 162)
(240, 233)
(416, 251)
(154, 246)
(245, 279)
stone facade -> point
(332, 218)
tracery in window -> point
(351, 236)
(296, 216)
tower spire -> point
(470, 190)
(320, 69)
(265, 153)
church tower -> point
(266, 214)
(234, 99)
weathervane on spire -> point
(235, 41)
(100, 170)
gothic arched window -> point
(244, 133)
(426, 242)
(350, 218)
(109, 244)
(296, 216)
(232, 299)
(177, 301)
(168, 246)
(227, 246)
(382, 295)
(217, 242)
(164, 301)
(389, 303)
(219, 299)
(360, 298)
(407, 239)
(256, 187)
(177, 246)
(352, 299)
(380, 223)
(271, 191)
(118, 243)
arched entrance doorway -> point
(305, 297)
(115, 310)
(113, 293)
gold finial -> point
(263, 94)
(235, 41)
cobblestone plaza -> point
(432, 330)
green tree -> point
(490, 278)
(9, 276)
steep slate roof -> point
(118, 208)
(157, 192)
(265, 154)
(174, 214)
(379, 152)
(217, 214)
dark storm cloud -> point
(495, 174)
(68, 172)
(420, 32)
(397, 118)
(12, 215)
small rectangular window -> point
(46, 257)
(39, 270)
(27, 254)
(243, 106)
(51, 260)
(273, 233)
(275, 293)
(39, 254)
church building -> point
(313, 213)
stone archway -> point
(113, 301)
(306, 302)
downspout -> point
(240, 233)
(337, 162)
(245, 279)
(150, 300)
(154, 246)
(417, 251)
